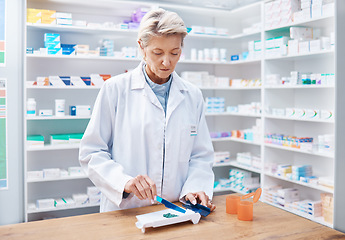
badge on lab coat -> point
(193, 131)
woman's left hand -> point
(201, 198)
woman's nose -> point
(166, 61)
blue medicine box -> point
(235, 57)
(66, 80)
(72, 110)
(54, 51)
(51, 37)
(87, 80)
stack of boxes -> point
(65, 138)
(52, 43)
(214, 104)
(107, 48)
(280, 12)
(221, 157)
(283, 170)
(309, 207)
(276, 47)
(327, 206)
(286, 195)
(301, 172)
(254, 50)
(41, 16)
(64, 18)
(314, 9)
(243, 181)
(35, 141)
(94, 195)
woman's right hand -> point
(141, 186)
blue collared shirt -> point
(161, 90)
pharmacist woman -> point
(148, 135)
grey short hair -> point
(159, 22)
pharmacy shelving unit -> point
(237, 42)
(64, 156)
(313, 97)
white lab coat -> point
(125, 138)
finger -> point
(152, 187)
(211, 205)
(146, 187)
(190, 197)
(135, 190)
(203, 198)
(141, 186)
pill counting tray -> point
(164, 217)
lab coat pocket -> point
(187, 136)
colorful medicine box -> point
(51, 37)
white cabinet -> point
(238, 23)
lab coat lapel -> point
(139, 82)
(175, 95)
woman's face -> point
(161, 56)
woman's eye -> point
(157, 53)
(175, 54)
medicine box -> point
(304, 47)
(35, 175)
(301, 33)
(63, 15)
(93, 191)
(315, 45)
(75, 137)
(51, 173)
(45, 112)
(80, 110)
(75, 171)
(35, 141)
(77, 81)
(59, 139)
(235, 57)
(45, 203)
(80, 198)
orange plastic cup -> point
(245, 211)
(231, 203)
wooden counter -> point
(269, 223)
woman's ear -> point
(141, 48)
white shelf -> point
(87, 57)
(224, 139)
(129, 32)
(57, 118)
(301, 23)
(64, 87)
(298, 86)
(245, 61)
(60, 209)
(302, 55)
(242, 166)
(53, 147)
(298, 119)
(79, 29)
(57, 179)
(233, 114)
(299, 150)
(230, 88)
(318, 187)
(80, 57)
(299, 213)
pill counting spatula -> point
(170, 205)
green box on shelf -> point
(59, 139)
(35, 140)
